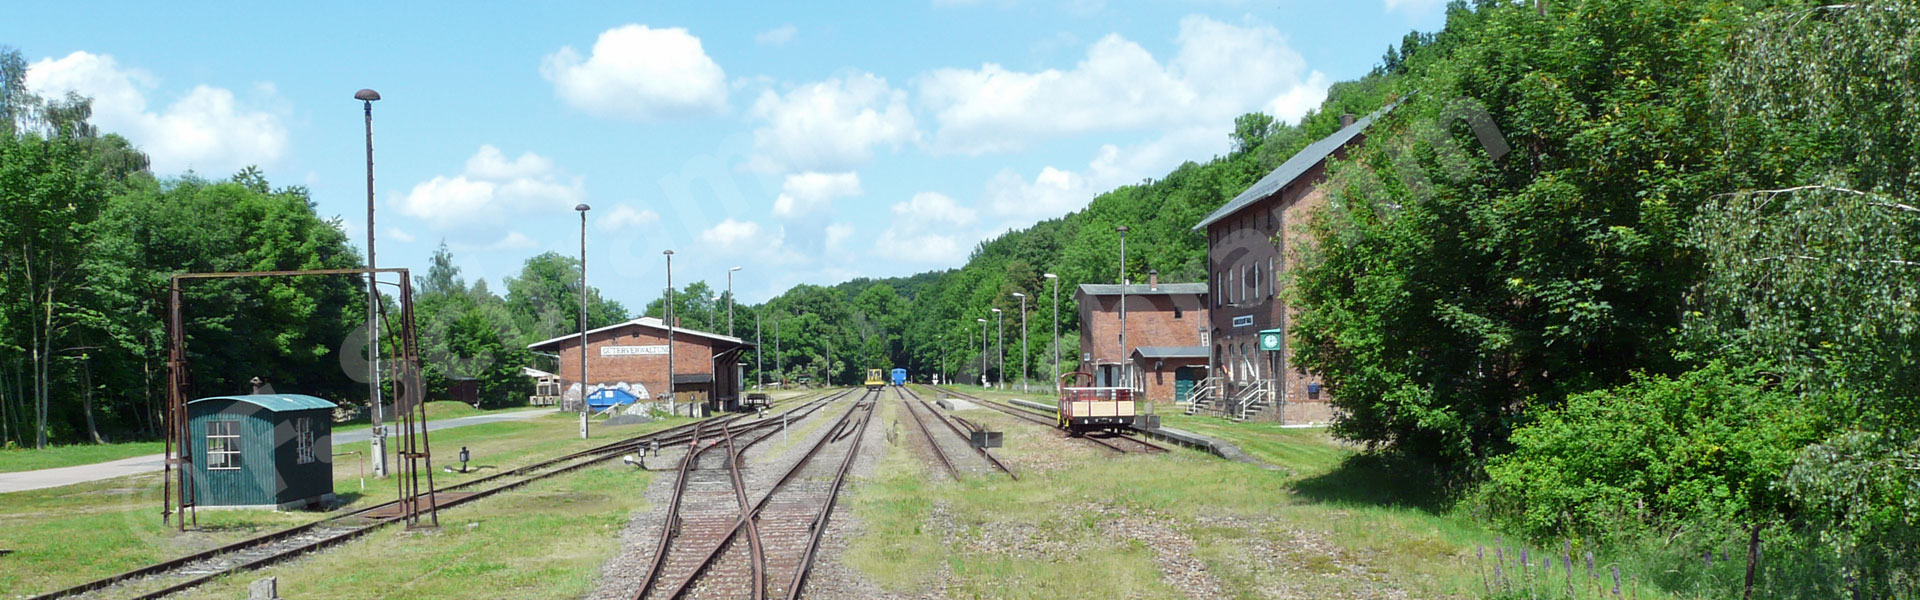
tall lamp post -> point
(1023, 340)
(379, 440)
(759, 356)
(584, 389)
(1056, 326)
(1126, 375)
(983, 350)
(730, 304)
(1000, 344)
(670, 399)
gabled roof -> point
(1296, 166)
(276, 402)
(1141, 289)
(648, 322)
(1171, 351)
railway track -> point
(172, 576)
(1125, 443)
(910, 398)
(700, 553)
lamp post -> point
(1126, 377)
(730, 304)
(1000, 344)
(584, 389)
(759, 356)
(379, 441)
(1056, 326)
(983, 350)
(1023, 340)
(670, 399)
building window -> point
(303, 441)
(1274, 279)
(223, 445)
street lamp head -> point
(980, 319)
(366, 95)
(1019, 295)
(1122, 229)
(668, 253)
(582, 207)
(733, 269)
(1051, 276)
(996, 310)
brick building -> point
(1172, 315)
(632, 356)
(1250, 243)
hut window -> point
(223, 445)
(303, 441)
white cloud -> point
(807, 193)
(399, 235)
(513, 240)
(730, 236)
(1219, 71)
(838, 234)
(930, 228)
(777, 36)
(1054, 190)
(210, 129)
(829, 125)
(493, 191)
(640, 73)
(626, 217)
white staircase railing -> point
(1203, 395)
(1252, 399)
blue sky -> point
(809, 145)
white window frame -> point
(223, 445)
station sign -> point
(659, 350)
(1243, 321)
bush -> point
(1708, 446)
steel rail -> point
(1030, 416)
(594, 455)
(956, 431)
(786, 478)
(826, 511)
(753, 533)
(924, 432)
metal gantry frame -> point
(409, 396)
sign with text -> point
(660, 350)
(1243, 321)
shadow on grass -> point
(1383, 480)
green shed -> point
(261, 451)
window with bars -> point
(303, 441)
(223, 445)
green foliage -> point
(544, 299)
(1707, 446)
(1862, 505)
(1451, 291)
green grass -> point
(69, 535)
(86, 454)
(78, 454)
(1329, 523)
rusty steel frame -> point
(408, 387)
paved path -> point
(46, 478)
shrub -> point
(1707, 446)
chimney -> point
(1346, 120)
(1153, 280)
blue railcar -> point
(900, 377)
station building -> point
(1166, 325)
(1251, 243)
(632, 357)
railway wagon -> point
(1085, 407)
(899, 377)
(876, 379)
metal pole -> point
(378, 442)
(1126, 375)
(670, 399)
(776, 353)
(584, 389)
(759, 356)
(1000, 344)
(730, 299)
(1023, 343)
(1056, 326)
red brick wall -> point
(1159, 383)
(691, 355)
(1150, 322)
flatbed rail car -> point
(899, 377)
(1085, 407)
(876, 379)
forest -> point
(1675, 317)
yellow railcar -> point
(876, 379)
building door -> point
(1183, 380)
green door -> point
(1183, 380)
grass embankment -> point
(27, 459)
(69, 535)
(1328, 523)
(87, 454)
